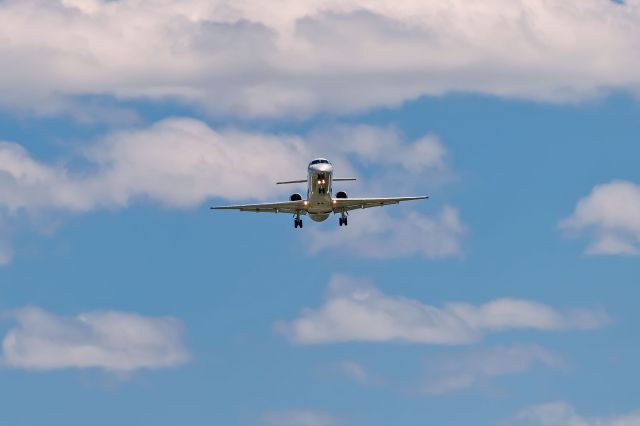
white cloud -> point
(356, 311)
(183, 162)
(563, 414)
(354, 370)
(380, 145)
(611, 214)
(376, 234)
(109, 340)
(177, 162)
(298, 418)
(458, 372)
(250, 58)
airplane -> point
(319, 203)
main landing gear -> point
(297, 222)
(343, 219)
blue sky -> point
(507, 298)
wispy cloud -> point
(303, 417)
(300, 58)
(462, 371)
(114, 341)
(610, 214)
(354, 370)
(357, 311)
(6, 253)
(563, 414)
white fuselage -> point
(319, 191)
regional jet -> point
(319, 203)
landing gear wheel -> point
(343, 220)
(297, 223)
(340, 221)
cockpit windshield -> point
(320, 161)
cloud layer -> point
(109, 340)
(296, 58)
(356, 311)
(563, 414)
(611, 215)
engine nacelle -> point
(295, 197)
(341, 194)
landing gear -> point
(343, 220)
(297, 222)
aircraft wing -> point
(291, 207)
(346, 204)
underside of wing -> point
(346, 204)
(291, 207)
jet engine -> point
(341, 194)
(295, 197)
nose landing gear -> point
(297, 222)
